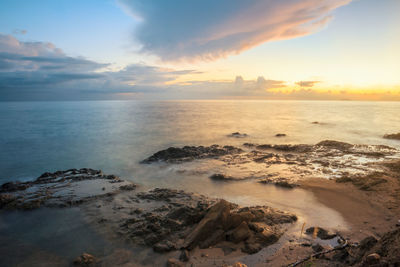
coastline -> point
(115, 208)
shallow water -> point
(114, 136)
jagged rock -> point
(216, 218)
(240, 233)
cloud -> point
(307, 83)
(41, 71)
(209, 29)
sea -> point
(114, 136)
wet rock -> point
(185, 256)
(335, 144)
(221, 177)
(279, 181)
(321, 233)
(280, 135)
(287, 148)
(368, 182)
(85, 260)
(128, 187)
(13, 186)
(216, 218)
(188, 153)
(248, 145)
(373, 258)
(164, 247)
(6, 199)
(240, 233)
(174, 263)
(392, 136)
(251, 248)
(237, 135)
(267, 237)
(317, 247)
(59, 189)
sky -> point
(192, 49)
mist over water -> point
(115, 135)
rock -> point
(317, 247)
(164, 247)
(237, 135)
(216, 218)
(267, 237)
(335, 144)
(392, 136)
(373, 258)
(184, 256)
(240, 233)
(367, 243)
(239, 264)
(221, 177)
(14, 186)
(280, 135)
(128, 187)
(174, 263)
(322, 233)
(85, 260)
(251, 248)
(281, 182)
(6, 199)
(188, 153)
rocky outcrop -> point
(224, 221)
(61, 189)
(392, 136)
(189, 153)
(278, 181)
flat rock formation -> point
(267, 163)
(61, 189)
(189, 153)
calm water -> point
(114, 136)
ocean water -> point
(114, 136)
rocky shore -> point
(164, 219)
(362, 182)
